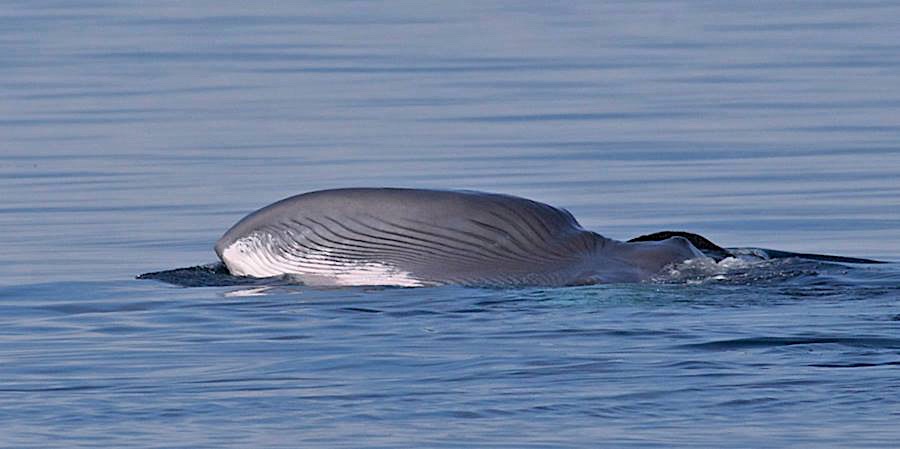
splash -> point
(738, 270)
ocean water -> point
(133, 134)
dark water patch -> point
(524, 85)
(836, 223)
(651, 151)
(774, 342)
(799, 26)
(149, 56)
(362, 310)
(842, 128)
(82, 209)
(98, 307)
(49, 121)
(848, 63)
(543, 66)
(84, 92)
(808, 105)
(595, 116)
(413, 313)
(856, 364)
(258, 20)
(409, 102)
(63, 174)
(580, 333)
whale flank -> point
(408, 238)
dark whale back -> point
(718, 253)
(708, 248)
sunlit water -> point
(133, 134)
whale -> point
(417, 237)
(420, 237)
(414, 237)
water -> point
(133, 134)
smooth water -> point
(133, 134)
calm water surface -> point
(132, 134)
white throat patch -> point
(258, 255)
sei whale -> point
(415, 237)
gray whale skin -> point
(415, 237)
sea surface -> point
(133, 134)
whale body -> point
(416, 237)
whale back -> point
(409, 237)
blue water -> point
(133, 134)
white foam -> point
(255, 291)
(703, 269)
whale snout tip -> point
(220, 247)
